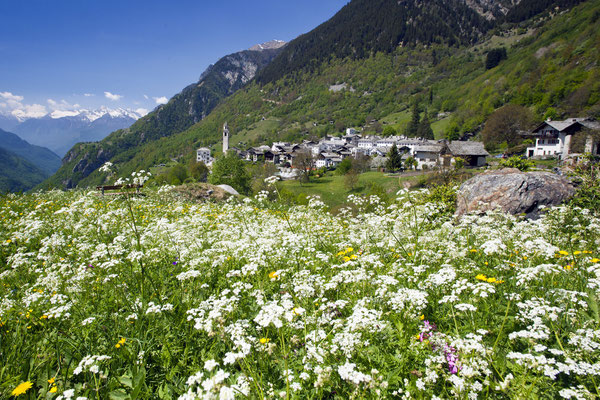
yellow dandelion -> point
(481, 277)
(264, 340)
(563, 253)
(273, 275)
(22, 388)
(422, 317)
(595, 260)
(473, 250)
(51, 381)
(53, 389)
(491, 280)
(576, 252)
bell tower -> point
(225, 138)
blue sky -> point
(130, 53)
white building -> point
(553, 138)
(203, 156)
(225, 138)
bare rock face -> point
(513, 191)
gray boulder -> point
(229, 189)
(513, 191)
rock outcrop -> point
(513, 191)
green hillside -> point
(41, 157)
(183, 110)
(551, 67)
(17, 174)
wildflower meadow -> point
(127, 297)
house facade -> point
(203, 156)
(554, 138)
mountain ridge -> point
(42, 157)
(60, 134)
(17, 174)
(451, 81)
(229, 74)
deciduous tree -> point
(230, 170)
(504, 125)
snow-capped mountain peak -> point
(92, 115)
(273, 44)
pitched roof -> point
(429, 147)
(467, 148)
(562, 125)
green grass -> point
(440, 127)
(333, 192)
(398, 120)
(262, 128)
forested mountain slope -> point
(188, 107)
(17, 174)
(551, 67)
(41, 157)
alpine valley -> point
(372, 61)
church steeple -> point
(225, 138)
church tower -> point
(225, 138)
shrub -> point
(521, 164)
(587, 175)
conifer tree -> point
(413, 125)
(424, 129)
(394, 161)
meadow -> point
(122, 297)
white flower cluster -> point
(215, 387)
(90, 363)
(157, 308)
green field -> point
(333, 192)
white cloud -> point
(161, 100)
(30, 111)
(11, 97)
(11, 101)
(62, 105)
(146, 97)
(111, 96)
(141, 111)
(13, 105)
(88, 95)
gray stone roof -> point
(429, 147)
(562, 125)
(467, 148)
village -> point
(550, 139)
(330, 151)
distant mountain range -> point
(387, 56)
(190, 106)
(17, 174)
(22, 165)
(60, 130)
(47, 161)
